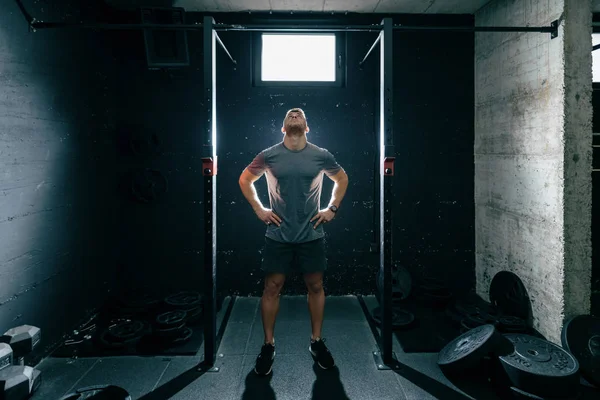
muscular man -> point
(294, 171)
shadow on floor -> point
(258, 387)
(176, 385)
(476, 388)
(327, 386)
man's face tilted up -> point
(294, 123)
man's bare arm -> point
(246, 182)
(339, 188)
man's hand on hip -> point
(267, 216)
(323, 217)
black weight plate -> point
(171, 331)
(465, 309)
(183, 337)
(401, 282)
(440, 297)
(432, 285)
(508, 324)
(400, 318)
(194, 315)
(100, 392)
(171, 319)
(127, 330)
(123, 334)
(540, 367)
(581, 337)
(107, 341)
(468, 350)
(475, 320)
(184, 300)
(509, 296)
(453, 315)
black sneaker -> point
(321, 354)
(264, 361)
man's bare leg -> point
(270, 304)
(316, 301)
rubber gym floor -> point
(295, 376)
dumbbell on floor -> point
(18, 381)
(23, 340)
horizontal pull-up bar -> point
(34, 24)
(295, 28)
(298, 28)
(553, 28)
(121, 27)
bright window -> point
(298, 58)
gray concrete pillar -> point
(533, 155)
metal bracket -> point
(555, 24)
(209, 166)
(395, 365)
(203, 367)
(388, 166)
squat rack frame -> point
(384, 358)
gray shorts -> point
(281, 257)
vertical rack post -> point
(209, 170)
(386, 165)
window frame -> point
(340, 71)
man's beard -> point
(295, 129)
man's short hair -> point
(299, 110)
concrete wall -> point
(56, 181)
(533, 155)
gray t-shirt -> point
(295, 180)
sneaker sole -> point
(268, 372)
(318, 363)
(270, 369)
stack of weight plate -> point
(508, 309)
(518, 365)
(138, 304)
(401, 289)
(470, 312)
(434, 293)
(188, 301)
(174, 324)
(123, 335)
(401, 283)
